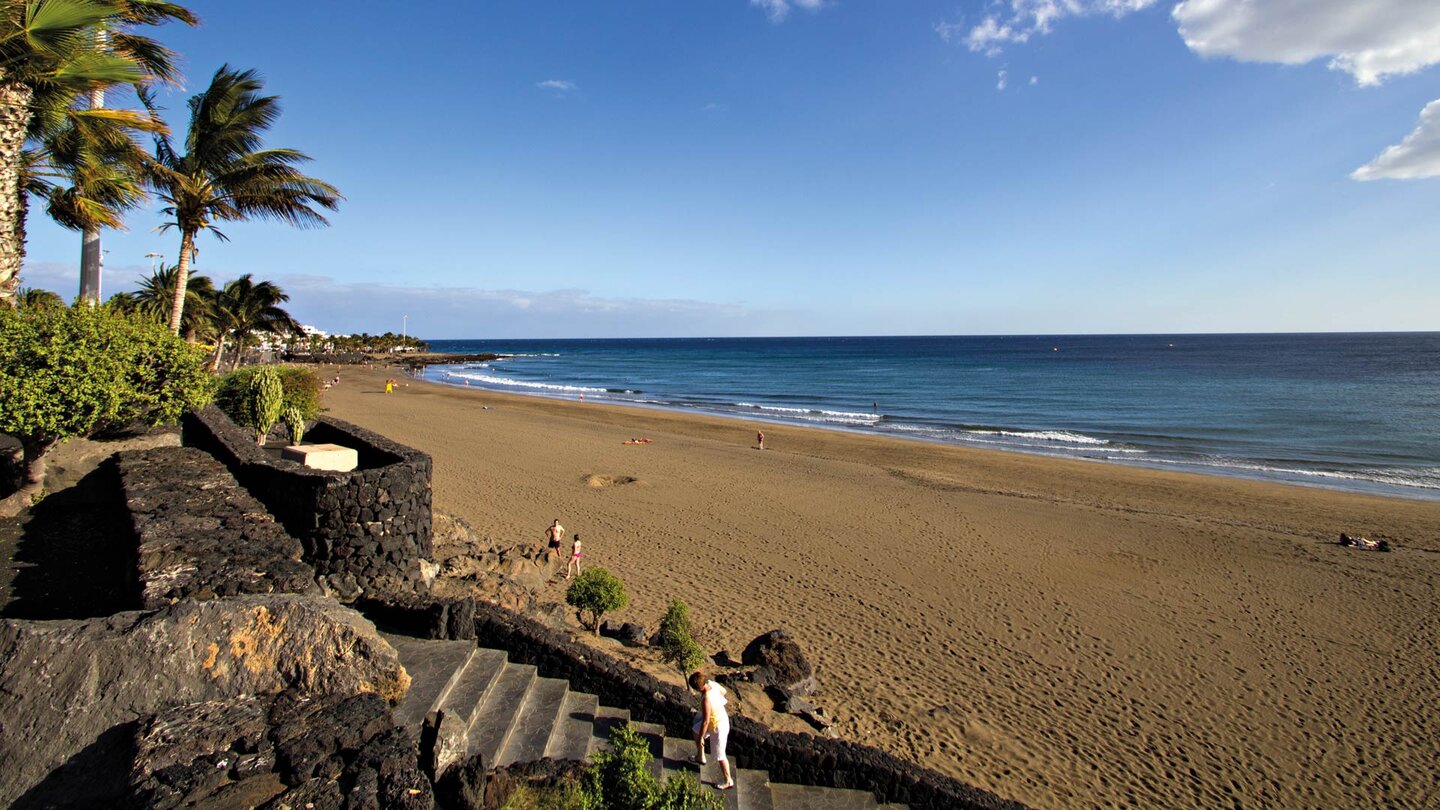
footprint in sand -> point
(596, 481)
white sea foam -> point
(816, 414)
(1423, 478)
(1062, 436)
(489, 379)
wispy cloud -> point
(1416, 157)
(1002, 79)
(557, 86)
(1017, 21)
(778, 10)
(713, 107)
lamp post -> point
(404, 329)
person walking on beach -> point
(760, 438)
(574, 559)
(714, 723)
(554, 535)
(389, 386)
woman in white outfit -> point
(713, 723)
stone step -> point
(677, 761)
(654, 735)
(606, 718)
(433, 667)
(535, 722)
(752, 790)
(805, 797)
(490, 727)
(571, 737)
(468, 692)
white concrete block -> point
(323, 456)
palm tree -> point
(244, 307)
(32, 298)
(156, 298)
(225, 176)
(50, 52)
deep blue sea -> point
(1350, 411)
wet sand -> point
(1064, 633)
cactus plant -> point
(295, 420)
(267, 397)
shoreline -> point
(1312, 479)
(1059, 633)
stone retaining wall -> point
(795, 758)
(361, 529)
(199, 534)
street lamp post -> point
(404, 329)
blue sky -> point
(739, 167)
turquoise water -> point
(1350, 411)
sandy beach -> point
(1064, 633)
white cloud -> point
(1002, 79)
(1369, 39)
(1416, 157)
(1019, 20)
(713, 107)
(560, 86)
(1034, 80)
(778, 10)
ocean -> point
(1355, 412)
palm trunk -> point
(90, 238)
(14, 121)
(219, 352)
(90, 266)
(182, 278)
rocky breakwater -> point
(70, 691)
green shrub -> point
(564, 797)
(677, 639)
(594, 593)
(683, 792)
(621, 776)
(620, 779)
(301, 386)
(74, 371)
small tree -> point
(677, 639)
(73, 371)
(267, 400)
(594, 593)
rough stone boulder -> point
(628, 633)
(65, 685)
(277, 752)
(780, 663)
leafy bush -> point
(594, 593)
(565, 797)
(621, 778)
(301, 386)
(75, 371)
(683, 792)
(677, 639)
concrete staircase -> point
(512, 715)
